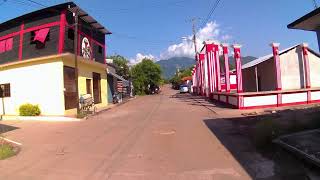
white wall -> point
(259, 100)
(294, 97)
(40, 84)
(315, 95)
(292, 69)
(314, 64)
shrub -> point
(29, 110)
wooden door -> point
(88, 85)
(70, 94)
(96, 87)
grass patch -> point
(6, 151)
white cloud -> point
(211, 32)
(186, 48)
(139, 57)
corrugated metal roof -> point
(309, 22)
(265, 58)
(71, 6)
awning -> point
(125, 82)
(309, 22)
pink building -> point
(285, 77)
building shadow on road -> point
(6, 128)
(236, 135)
(198, 100)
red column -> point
(304, 47)
(226, 65)
(276, 57)
(237, 57)
(201, 59)
(217, 61)
(62, 31)
(198, 76)
(209, 50)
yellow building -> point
(44, 81)
(37, 61)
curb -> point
(113, 106)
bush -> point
(29, 110)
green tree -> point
(121, 64)
(145, 74)
(176, 80)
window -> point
(40, 35)
(6, 45)
(71, 34)
(100, 49)
(5, 90)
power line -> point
(315, 4)
(213, 8)
(4, 1)
(35, 2)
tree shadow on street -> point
(198, 100)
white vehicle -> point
(184, 89)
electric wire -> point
(213, 8)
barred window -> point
(5, 90)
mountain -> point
(170, 66)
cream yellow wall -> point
(292, 69)
(36, 82)
(86, 68)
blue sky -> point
(149, 27)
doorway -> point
(96, 79)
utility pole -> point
(75, 46)
(194, 34)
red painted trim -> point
(279, 99)
(10, 35)
(314, 101)
(57, 23)
(62, 31)
(29, 30)
(309, 96)
(21, 41)
(293, 103)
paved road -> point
(150, 138)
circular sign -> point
(86, 48)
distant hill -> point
(169, 66)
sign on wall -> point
(86, 48)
